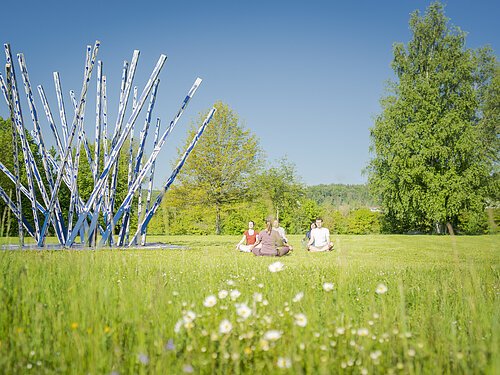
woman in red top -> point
(249, 237)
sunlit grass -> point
(118, 310)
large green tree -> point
(432, 150)
(219, 170)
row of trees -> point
(435, 153)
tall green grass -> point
(130, 311)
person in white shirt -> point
(320, 238)
(280, 230)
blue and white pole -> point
(11, 82)
(113, 156)
(74, 126)
(57, 217)
(152, 158)
(119, 123)
(16, 212)
(144, 224)
(62, 109)
(105, 147)
(98, 118)
(150, 185)
(17, 180)
(124, 231)
(137, 164)
(22, 188)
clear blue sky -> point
(306, 77)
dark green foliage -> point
(338, 195)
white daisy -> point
(363, 332)
(284, 362)
(298, 297)
(223, 294)
(235, 293)
(189, 316)
(243, 310)
(276, 267)
(257, 297)
(300, 320)
(272, 335)
(381, 289)
(210, 301)
(327, 287)
(225, 327)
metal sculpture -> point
(96, 216)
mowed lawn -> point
(377, 304)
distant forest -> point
(340, 195)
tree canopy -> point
(218, 170)
(432, 143)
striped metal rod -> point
(16, 212)
(97, 144)
(125, 221)
(55, 166)
(136, 166)
(74, 125)
(145, 129)
(111, 185)
(57, 216)
(62, 109)
(66, 176)
(142, 173)
(22, 188)
(13, 177)
(98, 120)
(14, 98)
(105, 146)
(130, 74)
(113, 156)
(86, 146)
(50, 119)
(122, 98)
(125, 229)
(119, 124)
(15, 148)
(150, 185)
(144, 224)
(81, 136)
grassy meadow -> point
(377, 304)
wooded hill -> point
(341, 195)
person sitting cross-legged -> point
(320, 238)
(249, 237)
(270, 243)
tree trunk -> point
(217, 219)
(450, 228)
